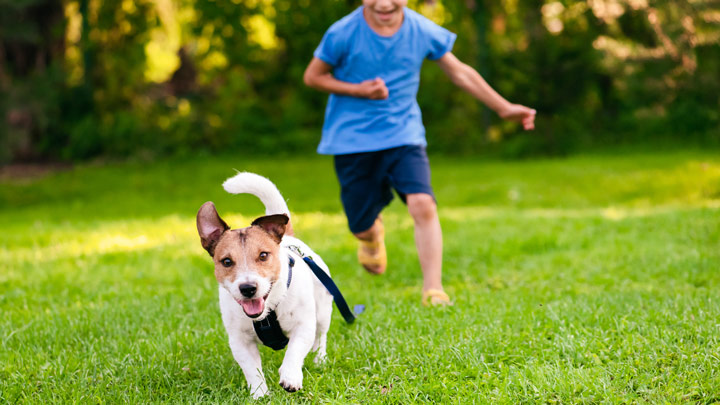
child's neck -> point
(381, 29)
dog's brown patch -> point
(250, 250)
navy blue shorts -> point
(367, 179)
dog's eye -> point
(263, 256)
(226, 262)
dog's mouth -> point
(253, 307)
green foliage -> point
(587, 279)
(598, 72)
(119, 135)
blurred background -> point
(82, 79)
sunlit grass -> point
(590, 279)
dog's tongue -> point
(253, 307)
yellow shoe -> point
(372, 255)
(434, 297)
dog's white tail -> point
(260, 187)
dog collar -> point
(268, 330)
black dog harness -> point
(268, 329)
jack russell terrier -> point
(264, 281)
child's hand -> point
(521, 114)
(374, 89)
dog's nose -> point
(248, 290)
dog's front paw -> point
(259, 391)
(291, 380)
(258, 394)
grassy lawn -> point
(587, 279)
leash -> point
(340, 303)
(329, 284)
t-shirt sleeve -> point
(331, 47)
(440, 41)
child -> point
(369, 62)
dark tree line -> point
(85, 78)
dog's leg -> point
(247, 356)
(320, 348)
(301, 341)
(324, 315)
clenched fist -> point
(374, 89)
(521, 114)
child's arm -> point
(470, 80)
(318, 75)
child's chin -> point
(386, 19)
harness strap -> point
(270, 333)
(291, 264)
(268, 330)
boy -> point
(369, 62)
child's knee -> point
(422, 207)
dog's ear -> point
(275, 225)
(210, 227)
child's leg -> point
(410, 176)
(371, 234)
(365, 191)
(428, 238)
(371, 253)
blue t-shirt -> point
(357, 53)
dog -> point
(256, 276)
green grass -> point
(587, 279)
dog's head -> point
(247, 261)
